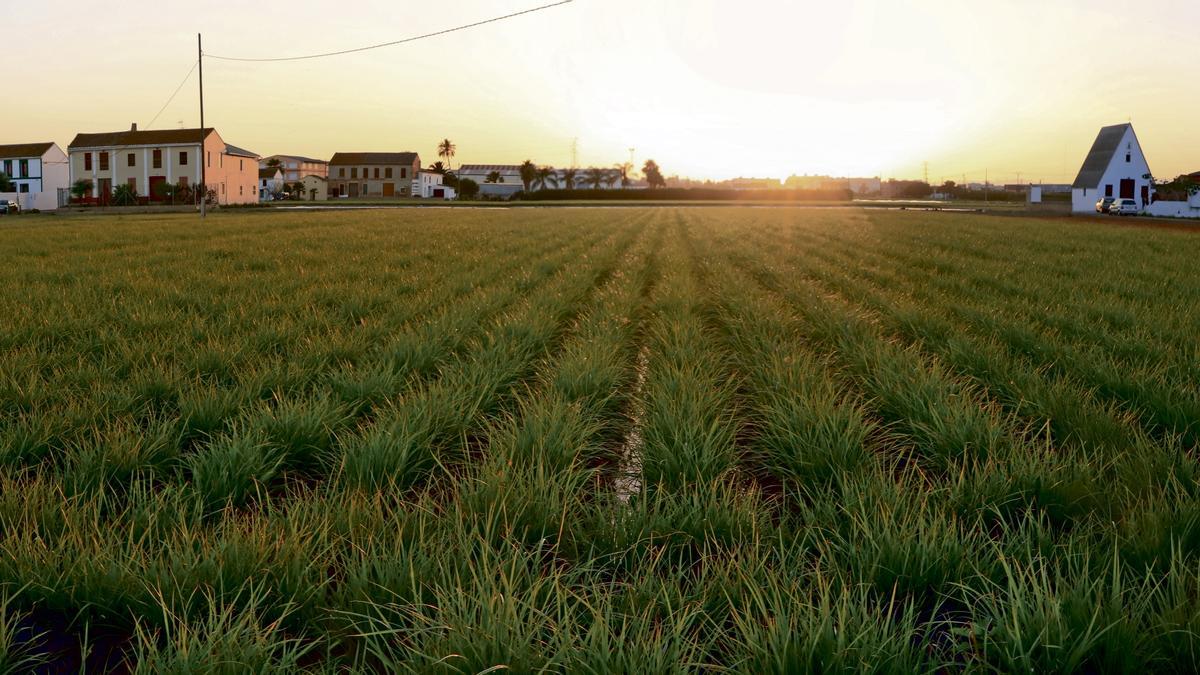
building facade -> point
(379, 175)
(316, 188)
(495, 180)
(145, 160)
(270, 183)
(295, 167)
(1115, 167)
(429, 185)
(37, 171)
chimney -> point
(133, 127)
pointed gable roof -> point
(1108, 141)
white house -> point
(37, 171)
(429, 185)
(270, 183)
(1115, 167)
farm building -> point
(495, 180)
(1115, 167)
(37, 171)
(373, 174)
(147, 159)
(316, 188)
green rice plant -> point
(120, 455)
(301, 431)
(819, 626)
(225, 640)
(234, 468)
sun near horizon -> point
(1016, 90)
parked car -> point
(9, 208)
(1103, 205)
(1123, 207)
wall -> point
(43, 201)
(1188, 209)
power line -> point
(164, 107)
(401, 41)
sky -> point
(710, 89)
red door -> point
(1128, 186)
(1145, 195)
(155, 190)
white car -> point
(1123, 207)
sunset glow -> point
(709, 89)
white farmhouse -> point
(1115, 167)
(37, 171)
(429, 185)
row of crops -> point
(598, 440)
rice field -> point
(646, 440)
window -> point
(354, 172)
(240, 190)
(404, 172)
(104, 161)
(240, 167)
(183, 158)
(131, 159)
(8, 168)
(254, 189)
(156, 159)
(1128, 157)
(25, 187)
(1107, 190)
(87, 161)
(387, 173)
(341, 173)
(377, 172)
(208, 158)
(24, 168)
(222, 188)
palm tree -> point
(624, 170)
(274, 163)
(546, 176)
(611, 177)
(569, 177)
(446, 150)
(595, 177)
(494, 177)
(438, 167)
(528, 173)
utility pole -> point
(203, 175)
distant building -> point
(1114, 167)
(429, 185)
(295, 167)
(384, 175)
(316, 188)
(495, 180)
(147, 159)
(37, 171)
(858, 186)
(270, 183)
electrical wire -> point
(396, 42)
(177, 90)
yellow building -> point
(316, 189)
(373, 174)
(145, 160)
